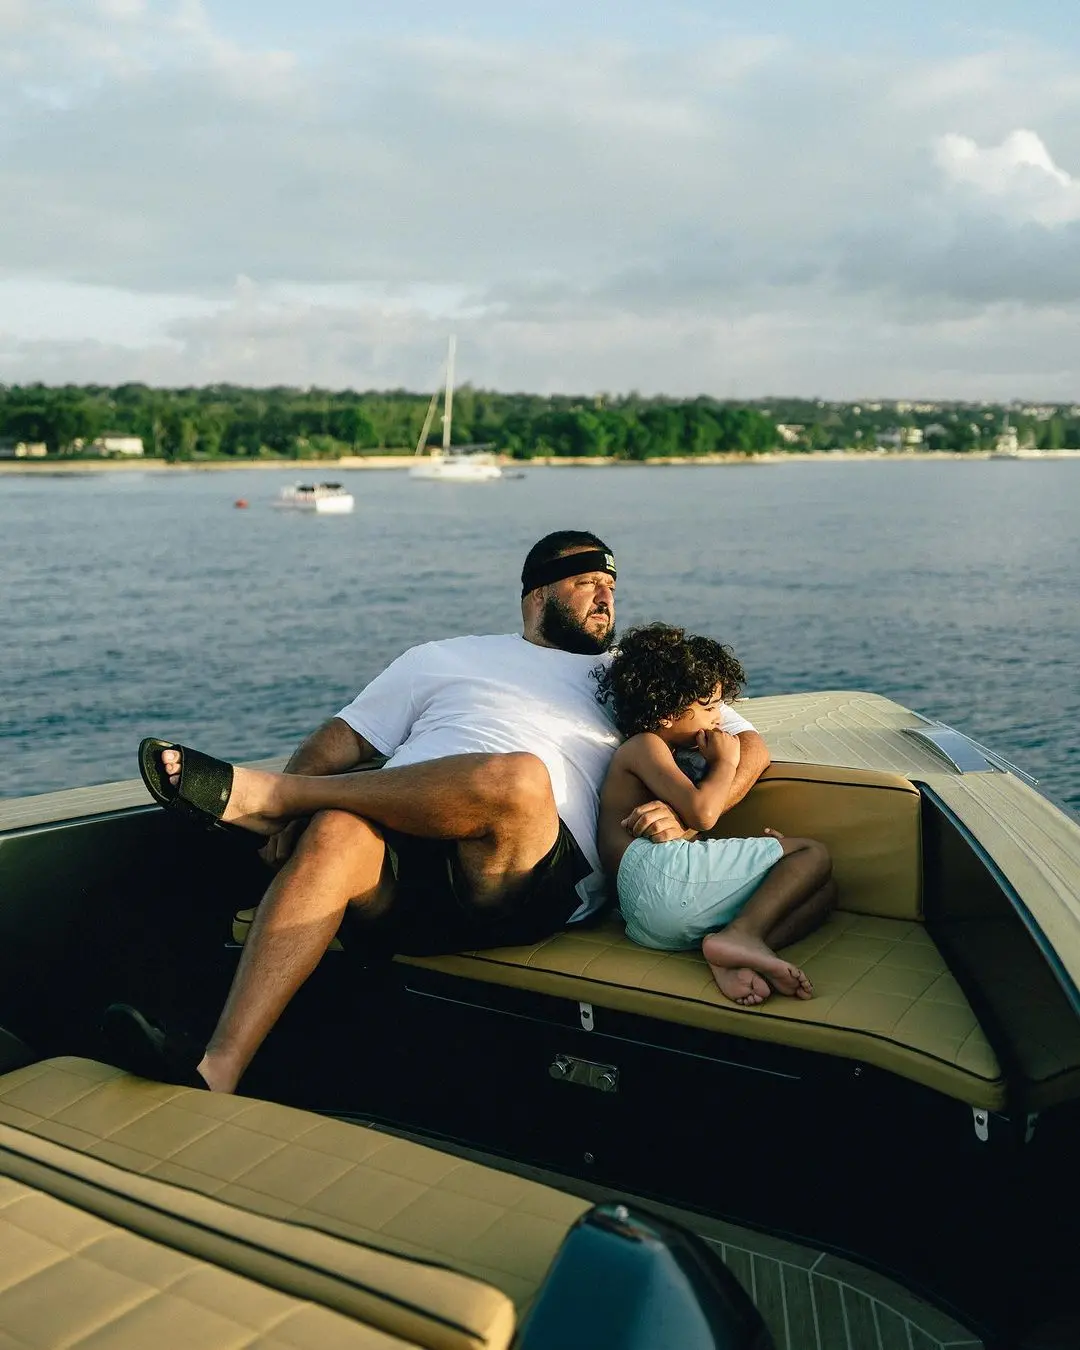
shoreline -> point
(319, 468)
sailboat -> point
(451, 464)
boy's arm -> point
(657, 822)
(698, 806)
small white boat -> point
(451, 464)
(325, 498)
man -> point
(479, 831)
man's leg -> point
(339, 860)
(499, 806)
(795, 896)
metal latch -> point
(588, 1021)
(603, 1077)
(981, 1120)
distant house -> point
(899, 438)
(10, 449)
(118, 445)
(790, 432)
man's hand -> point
(657, 822)
(719, 747)
(278, 848)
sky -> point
(841, 200)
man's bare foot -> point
(253, 801)
(732, 949)
(741, 985)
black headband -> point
(566, 565)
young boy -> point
(738, 898)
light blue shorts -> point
(672, 894)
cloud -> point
(743, 214)
(1018, 176)
(967, 260)
(839, 346)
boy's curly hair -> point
(659, 671)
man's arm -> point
(333, 748)
(657, 822)
(753, 761)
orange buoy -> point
(240, 501)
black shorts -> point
(432, 914)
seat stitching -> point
(780, 1016)
(69, 1254)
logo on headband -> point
(566, 565)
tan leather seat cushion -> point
(68, 1278)
(870, 822)
(422, 1304)
(883, 995)
(342, 1179)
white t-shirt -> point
(496, 694)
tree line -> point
(957, 426)
(228, 420)
(221, 421)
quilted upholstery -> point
(870, 822)
(883, 992)
(70, 1278)
(883, 995)
(274, 1160)
(428, 1305)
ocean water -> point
(143, 603)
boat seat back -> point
(883, 991)
(870, 822)
(437, 1241)
(68, 1277)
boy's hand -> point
(719, 747)
(656, 822)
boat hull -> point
(325, 499)
(821, 1150)
(456, 469)
(328, 506)
(969, 1203)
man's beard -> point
(560, 626)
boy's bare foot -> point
(252, 803)
(741, 985)
(732, 949)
